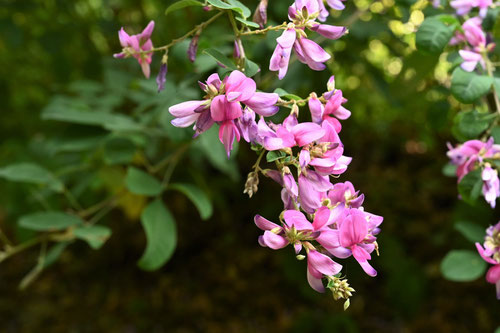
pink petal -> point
(263, 103)
(227, 133)
(264, 224)
(237, 82)
(294, 218)
(353, 229)
(287, 39)
(185, 109)
(305, 133)
(274, 241)
(315, 283)
(323, 263)
(316, 108)
(483, 255)
(321, 218)
(313, 51)
(185, 121)
(329, 31)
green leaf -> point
(251, 68)
(285, 94)
(233, 5)
(220, 58)
(497, 330)
(161, 234)
(119, 151)
(275, 155)
(450, 170)
(470, 186)
(470, 124)
(471, 231)
(248, 23)
(142, 183)
(197, 196)
(467, 87)
(462, 266)
(495, 133)
(210, 146)
(49, 221)
(94, 235)
(433, 35)
(182, 4)
(31, 173)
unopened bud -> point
(260, 15)
(193, 47)
(300, 257)
(161, 79)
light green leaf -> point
(94, 235)
(462, 266)
(471, 231)
(470, 186)
(161, 234)
(142, 183)
(450, 170)
(222, 59)
(248, 23)
(197, 196)
(275, 155)
(433, 35)
(285, 94)
(49, 221)
(31, 173)
(182, 4)
(467, 87)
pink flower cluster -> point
(490, 252)
(473, 154)
(475, 44)
(303, 14)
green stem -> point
(265, 30)
(200, 26)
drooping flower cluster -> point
(475, 42)
(475, 154)
(326, 220)
(303, 14)
(490, 252)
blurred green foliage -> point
(56, 62)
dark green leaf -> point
(471, 231)
(470, 124)
(233, 5)
(197, 196)
(450, 170)
(31, 173)
(433, 35)
(182, 4)
(140, 182)
(161, 235)
(467, 87)
(251, 68)
(495, 133)
(94, 235)
(49, 221)
(220, 58)
(275, 155)
(462, 266)
(285, 94)
(470, 186)
(119, 151)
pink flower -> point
(319, 265)
(135, 45)
(471, 59)
(463, 7)
(491, 254)
(346, 194)
(473, 32)
(282, 52)
(352, 234)
(466, 155)
(223, 105)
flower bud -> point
(162, 75)
(193, 47)
(260, 15)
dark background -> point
(220, 279)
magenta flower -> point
(289, 134)
(471, 59)
(136, 45)
(463, 7)
(319, 265)
(466, 155)
(491, 254)
(223, 105)
(353, 233)
(346, 194)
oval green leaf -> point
(49, 221)
(182, 4)
(470, 186)
(94, 235)
(142, 183)
(161, 235)
(467, 87)
(471, 231)
(31, 173)
(433, 35)
(462, 266)
(197, 196)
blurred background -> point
(57, 53)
